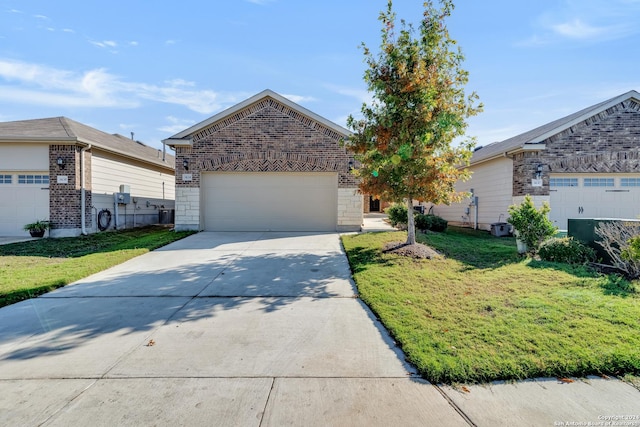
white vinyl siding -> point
(108, 172)
(492, 182)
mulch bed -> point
(418, 250)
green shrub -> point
(430, 222)
(531, 224)
(397, 214)
(632, 252)
(566, 250)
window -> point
(33, 179)
(563, 182)
(630, 182)
(598, 182)
(5, 179)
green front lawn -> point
(482, 313)
(29, 269)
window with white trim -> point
(5, 179)
(599, 182)
(33, 179)
(630, 182)
(563, 182)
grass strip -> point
(35, 267)
(482, 313)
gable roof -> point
(538, 135)
(185, 137)
(64, 130)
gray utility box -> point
(123, 198)
(500, 229)
(584, 230)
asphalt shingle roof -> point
(540, 133)
(66, 130)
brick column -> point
(64, 191)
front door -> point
(374, 204)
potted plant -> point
(37, 228)
(531, 225)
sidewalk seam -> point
(266, 403)
(454, 406)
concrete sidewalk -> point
(247, 329)
(8, 240)
(376, 221)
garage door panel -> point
(21, 204)
(593, 202)
(270, 201)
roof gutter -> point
(509, 154)
(178, 142)
(36, 139)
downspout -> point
(115, 210)
(476, 209)
(83, 208)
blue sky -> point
(156, 68)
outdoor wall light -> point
(539, 170)
(185, 164)
(350, 165)
(60, 161)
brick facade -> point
(266, 136)
(608, 142)
(65, 198)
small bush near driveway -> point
(481, 313)
(567, 250)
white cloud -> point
(43, 17)
(133, 43)
(41, 85)
(104, 44)
(362, 95)
(170, 42)
(299, 98)
(175, 125)
(68, 30)
(180, 82)
(585, 21)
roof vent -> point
(477, 148)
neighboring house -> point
(265, 164)
(586, 165)
(49, 166)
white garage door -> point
(269, 201)
(24, 198)
(594, 196)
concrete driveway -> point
(216, 329)
(243, 329)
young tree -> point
(404, 140)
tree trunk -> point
(411, 226)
